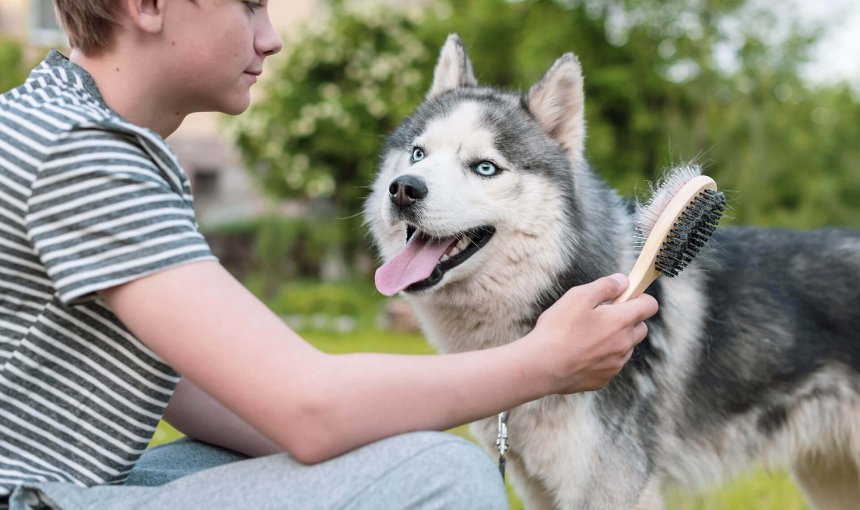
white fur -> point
(561, 455)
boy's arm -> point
(196, 414)
(314, 405)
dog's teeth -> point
(456, 249)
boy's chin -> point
(235, 106)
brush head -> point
(681, 216)
(672, 228)
(690, 232)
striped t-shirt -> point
(87, 201)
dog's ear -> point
(558, 103)
(454, 69)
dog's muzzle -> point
(406, 190)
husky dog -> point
(753, 357)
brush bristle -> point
(662, 193)
(691, 231)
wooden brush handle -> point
(644, 271)
(640, 277)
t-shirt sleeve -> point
(102, 213)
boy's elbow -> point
(310, 452)
(312, 436)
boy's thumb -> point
(610, 287)
(621, 278)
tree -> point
(666, 82)
(342, 87)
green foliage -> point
(357, 300)
(275, 244)
(284, 248)
(659, 91)
(656, 95)
(13, 69)
(343, 86)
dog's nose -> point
(406, 190)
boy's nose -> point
(268, 42)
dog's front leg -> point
(616, 477)
(651, 498)
(564, 455)
(531, 490)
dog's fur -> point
(754, 355)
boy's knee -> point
(447, 471)
(473, 478)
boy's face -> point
(216, 52)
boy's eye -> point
(252, 5)
(486, 169)
(417, 154)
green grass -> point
(759, 490)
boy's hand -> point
(587, 339)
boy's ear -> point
(454, 69)
(558, 103)
(147, 15)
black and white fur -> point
(753, 357)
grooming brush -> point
(673, 227)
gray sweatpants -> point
(422, 470)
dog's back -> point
(772, 371)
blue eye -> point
(417, 154)
(486, 169)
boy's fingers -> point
(638, 309)
(640, 331)
(605, 289)
(629, 354)
(649, 306)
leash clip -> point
(502, 441)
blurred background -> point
(765, 94)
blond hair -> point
(89, 24)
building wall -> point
(13, 18)
(33, 22)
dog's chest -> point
(452, 328)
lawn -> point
(759, 490)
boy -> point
(109, 292)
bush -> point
(283, 248)
(344, 84)
(331, 299)
(13, 69)
(314, 305)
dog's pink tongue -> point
(415, 263)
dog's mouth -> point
(425, 259)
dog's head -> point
(478, 180)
